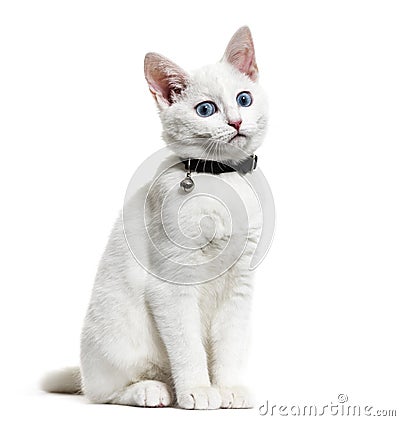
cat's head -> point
(218, 112)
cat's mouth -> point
(235, 137)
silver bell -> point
(187, 184)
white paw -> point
(199, 398)
(236, 397)
(151, 393)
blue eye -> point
(205, 109)
(244, 99)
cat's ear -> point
(166, 80)
(240, 53)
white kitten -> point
(152, 342)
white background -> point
(73, 110)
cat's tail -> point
(67, 380)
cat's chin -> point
(237, 149)
(233, 151)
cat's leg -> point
(177, 316)
(103, 383)
(147, 393)
(229, 340)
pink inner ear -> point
(159, 86)
(166, 80)
(247, 61)
(244, 61)
(240, 53)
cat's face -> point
(218, 112)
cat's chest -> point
(219, 207)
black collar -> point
(215, 167)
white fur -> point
(148, 342)
(189, 136)
(67, 380)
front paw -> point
(199, 398)
(236, 397)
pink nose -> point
(236, 124)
